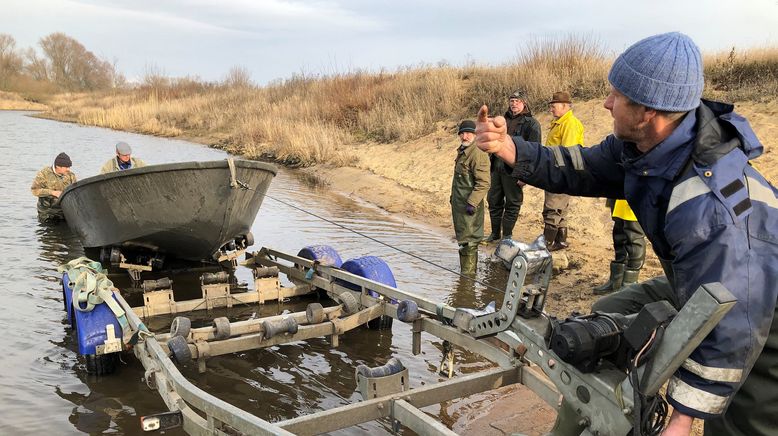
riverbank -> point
(413, 178)
(10, 101)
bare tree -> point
(11, 61)
(36, 66)
(74, 68)
(238, 77)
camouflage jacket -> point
(47, 181)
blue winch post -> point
(90, 326)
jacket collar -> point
(563, 118)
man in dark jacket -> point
(505, 192)
(682, 165)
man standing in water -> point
(505, 192)
(468, 189)
(48, 186)
(682, 163)
(123, 160)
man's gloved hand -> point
(470, 209)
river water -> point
(44, 387)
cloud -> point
(258, 18)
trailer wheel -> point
(349, 302)
(222, 328)
(248, 239)
(179, 349)
(101, 364)
(376, 269)
(407, 311)
(180, 326)
(314, 313)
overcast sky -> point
(278, 38)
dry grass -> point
(306, 119)
(13, 102)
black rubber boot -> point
(507, 228)
(493, 237)
(614, 282)
(549, 234)
(560, 243)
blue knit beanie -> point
(663, 72)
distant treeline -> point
(63, 64)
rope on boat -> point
(487, 286)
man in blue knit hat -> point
(682, 164)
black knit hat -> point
(63, 160)
(466, 126)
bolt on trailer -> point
(608, 368)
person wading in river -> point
(48, 186)
(123, 160)
(468, 190)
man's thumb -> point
(483, 114)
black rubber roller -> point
(314, 313)
(393, 366)
(273, 328)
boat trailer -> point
(581, 359)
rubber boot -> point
(507, 229)
(614, 282)
(560, 243)
(630, 276)
(468, 260)
(549, 234)
(493, 237)
(496, 224)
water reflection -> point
(57, 244)
(41, 367)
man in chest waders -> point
(468, 190)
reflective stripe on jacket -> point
(710, 217)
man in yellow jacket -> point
(566, 130)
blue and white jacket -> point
(710, 216)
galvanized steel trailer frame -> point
(517, 345)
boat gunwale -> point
(166, 167)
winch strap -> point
(233, 177)
(93, 287)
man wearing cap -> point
(505, 192)
(48, 186)
(468, 189)
(123, 160)
(566, 130)
(682, 164)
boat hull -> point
(187, 210)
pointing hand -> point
(490, 133)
